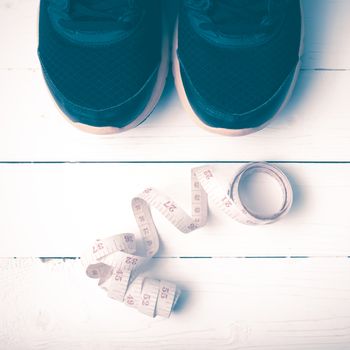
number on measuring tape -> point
(114, 260)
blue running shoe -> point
(236, 62)
(104, 61)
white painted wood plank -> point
(60, 209)
(227, 304)
(315, 126)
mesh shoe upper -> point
(235, 69)
(98, 56)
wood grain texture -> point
(229, 301)
(60, 209)
(314, 126)
(226, 304)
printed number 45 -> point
(98, 246)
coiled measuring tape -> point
(119, 267)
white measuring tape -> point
(119, 267)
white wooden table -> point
(283, 286)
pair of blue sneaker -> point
(235, 62)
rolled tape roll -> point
(115, 262)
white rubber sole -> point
(154, 99)
(223, 131)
